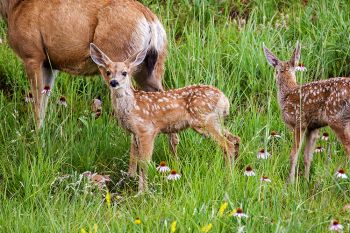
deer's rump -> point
(61, 30)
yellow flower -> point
(222, 208)
(137, 221)
(173, 227)
(207, 228)
(95, 228)
(83, 230)
(108, 199)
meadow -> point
(210, 42)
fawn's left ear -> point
(294, 60)
(271, 58)
(99, 57)
(137, 58)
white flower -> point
(162, 168)
(262, 154)
(319, 149)
(325, 136)
(62, 101)
(173, 175)
(274, 134)
(238, 213)
(46, 91)
(336, 226)
(301, 68)
(249, 171)
(265, 179)
(29, 98)
(341, 174)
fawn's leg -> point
(215, 131)
(235, 141)
(39, 77)
(145, 149)
(133, 157)
(297, 133)
(173, 142)
(343, 134)
(311, 138)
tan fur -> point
(311, 106)
(55, 35)
(146, 114)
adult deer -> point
(55, 35)
(146, 114)
(306, 108)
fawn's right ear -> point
(98, 56)
(271, 59)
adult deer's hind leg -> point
(310, 141)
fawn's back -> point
(174, 110)
(322, 102)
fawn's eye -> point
(108, 72)
(124, 73)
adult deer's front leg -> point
(297, 133)
(39, 78)
(311, 138)
(145, 149)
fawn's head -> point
(284, 69)
(117, 74)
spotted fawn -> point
(146, 114)
(309, 107)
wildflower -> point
(29, 98)
(265, 179)
(62, 101)
(222, 208)
(249, 171)
(95, 228)
(137, 221)
(319, 149)
(162, 168)
(83, 230)
(341, 174)
(108, 199)
(173, 175)
(173, 227)
(46, 90)
(325, 136)
(274, 134)
(335, 226)
(262, 154)
(300, 67)
(207, 228)
(238, 213)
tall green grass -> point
(206, 45)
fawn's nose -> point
(113, 83)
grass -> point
(206, 45)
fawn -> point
(146, 114)
(309, 107)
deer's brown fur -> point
(306, 108)
(146, 114)
(50, 35)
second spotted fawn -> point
(306, 108)
(146, 114)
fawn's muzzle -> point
(113, 83)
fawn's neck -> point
(286, 82)
(123, 101)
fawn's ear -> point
(271, 59)
(98, 56)
(137, 58)
(294, 60)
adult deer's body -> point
(146, 114)
(50, 35)
(311, 106)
